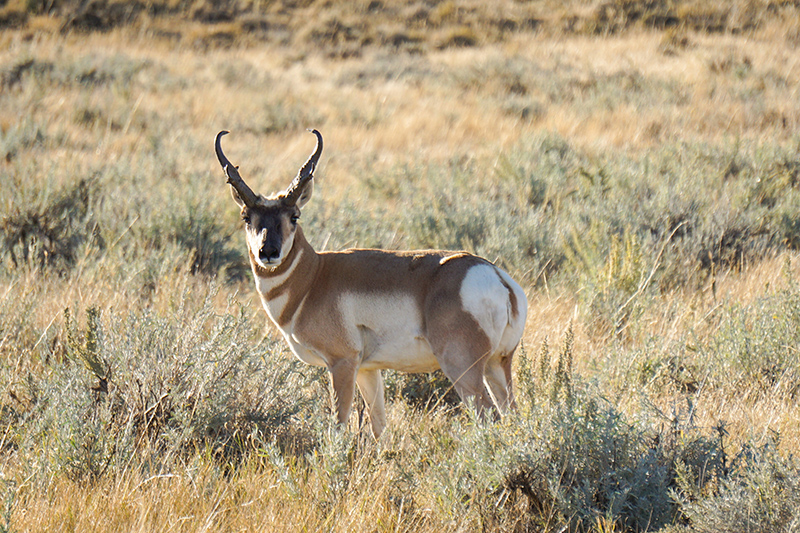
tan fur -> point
(359, 311)
(433, 278)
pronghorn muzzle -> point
(270, 245)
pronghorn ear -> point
(236, 197)
(305, 196)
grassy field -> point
(634, 164)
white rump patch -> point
(485, 297)
(516, 324)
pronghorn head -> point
(270, 222)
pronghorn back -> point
(360, 311)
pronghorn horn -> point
(234, 179)
(305, 174)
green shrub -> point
(762, 493)
(424, 391)
(159, 387)
(569, 466)
(50, 231)
(756, 347)
(209, 247)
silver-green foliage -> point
(149, 388)
(762, 493)
(756, 348)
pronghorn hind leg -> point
(370, 383)
(343, 379)
(506, 363)
(465, 371)
(498, 378)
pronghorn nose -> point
(269, 252)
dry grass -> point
(412, 113)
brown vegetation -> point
(633, 163)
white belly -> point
(402, 354)
(388, 332)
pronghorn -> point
(359, 311)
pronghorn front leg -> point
(343, 379)
(370, 383)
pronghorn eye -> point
(294, 219)
(246, 219)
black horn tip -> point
(318, 149)
(218, 149)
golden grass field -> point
(439, 109)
